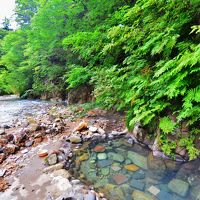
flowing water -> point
(124, 172)
(12, 109)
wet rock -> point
(52, 159)
(3, 141)
(99, 148)
(155, 163)
(119, 178)
(194, 179)
(139, 195)
(116, 157)
(3, 185)
(115, 168)
(81, 126)
(104, 163)
(138, 184)
(138, 175)
(131, 167)
(179, 187)
(101, 156)
(75, 139)
(163, 195)
(84, 157)
(138, 159)
(195, 192)
(90, 196)
(153, 190)
(105, 171)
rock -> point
(84, 157)
(179, 187)
(93, 129)
(75, 139)
(28, 143)
(2, 131)
(52, 159)
(42, 153)
(24, 151)
(90, 196)
(139, 195)
(99, 149)
(153, 190)
(2, 172)
(2, 157)
(101, 156)
(38, 135)
(163, 195)
(138, 184)
(115, 168)
(116, 157)
(105, 171)
(155, 163)
(104, 163)
(195, 192)
(53, 168)
(9, 137)
(101, 131)
(138, 175)
(119, 178)
(194, 179)
(81, 126)
(11, 148)
(138, 159)
(131, 167)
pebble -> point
(153, 190)
(52, 159)
(102, 156)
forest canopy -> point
(141, 57)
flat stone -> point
(101, 156)
(138, 175)
(104, 163)
(179, 187)
(105, 171)
(164, 195)
(155, 163)
(115, 168)
(138, 184)
(52, 159)
(119, 178)
(116, 157)
(99, 149)
(131, 167)
(138, 159)
(139, 195)
(153, 190)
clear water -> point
(150, 178)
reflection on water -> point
(12, 108)
(124, 172)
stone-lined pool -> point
(124, 171)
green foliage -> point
(166, 125)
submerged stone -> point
(131, 167)
(101, 156)
(138, 159)
(115, 168)
(116, 157)
(104, 163)
(179, 187)
(138, 184)
(139, 195)
(138, 175)
(84, 157)
(105, 171)
(99, 149)
(119, 178)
